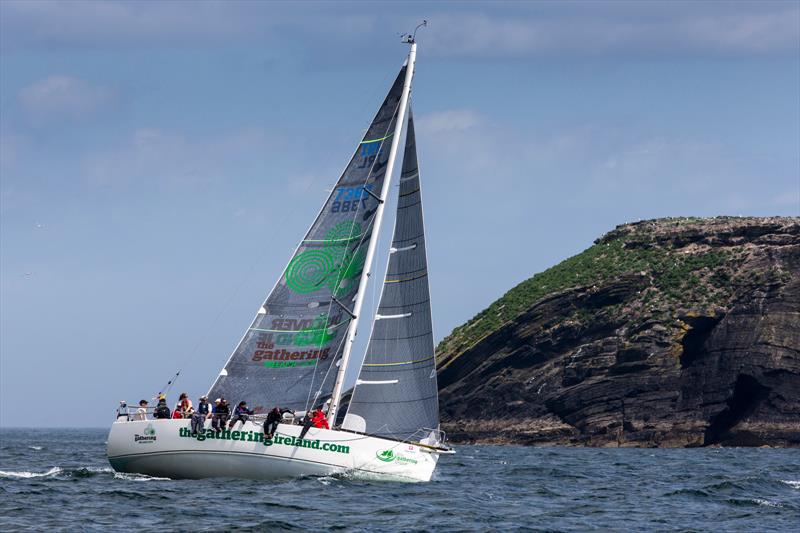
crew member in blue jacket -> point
(200, 415)
(240, 413)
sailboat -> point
(298, 348)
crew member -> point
(187, 409)
(199, 416)
(220, 414)
(308, 421)
(122, 411)
(240, 413)
(274, 418)
(161, 410)
(141, 412)
(319, 420)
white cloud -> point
(605, 28)
(61, 96)
(463, 138)
(448, 121)
(154, 155)
(751, 32)
(469, 30)
(592, 164)
(92, 24)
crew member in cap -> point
(199, 417)
(220, 414)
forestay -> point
(396, 393)
(285, 358)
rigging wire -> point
(247, 276)
(165, 389)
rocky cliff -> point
(670, 332)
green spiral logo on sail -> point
(333, 266)
(343, 233)
(309, 270)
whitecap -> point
(37, 448)
(791, 483)
(98, 469)
(25, 475)
(138, 477)
(766, 503)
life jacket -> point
(202, 408)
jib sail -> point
(396, 393)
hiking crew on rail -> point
(220, 414)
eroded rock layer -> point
(671, 332)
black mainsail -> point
(287, 357)
(396, 394)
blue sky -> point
(160, 160)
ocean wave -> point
(138, 477)
(26, 475)
(37, 448)
(792, 483)
(766, 503)
(57, 471)
(760, 502)
(700, 493)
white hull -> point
(165, 448)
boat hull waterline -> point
(166, 448)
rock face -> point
(671, 332)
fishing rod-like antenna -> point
(165, 388)
(411, 38)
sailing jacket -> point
(242, 410)
(319, 420)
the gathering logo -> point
(148, 437)
(388, 456)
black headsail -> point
(396, 394)
(286, 356)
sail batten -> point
(288, 355)
(401, 343)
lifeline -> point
(255, 436)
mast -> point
(362, 286)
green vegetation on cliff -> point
(684, 277)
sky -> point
(159, 161)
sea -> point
(60, 480)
